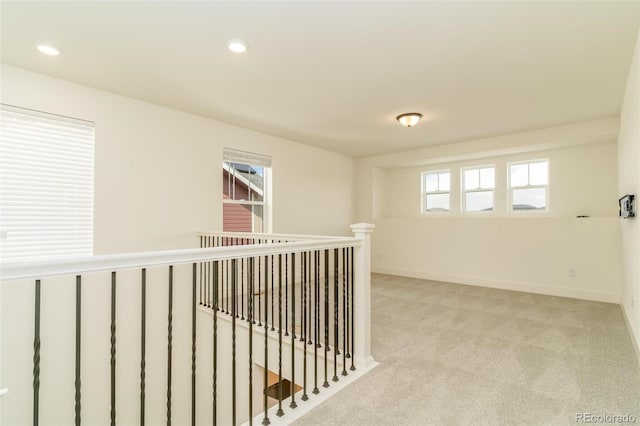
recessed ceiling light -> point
(237, 46)
(48, 50)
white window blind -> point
(234, 156)
(46, 185)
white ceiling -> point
(335, 74)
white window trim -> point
(249, 158)
(510, 188)
(424, 193)
(463, 192)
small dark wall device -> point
(627, 209)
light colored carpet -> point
(455, 354)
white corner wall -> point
(629, 183)
(525, 252)
(157, 170)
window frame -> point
(245, 158)
(425, 193)
(510, 188)
(464, 191)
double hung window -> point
(245, 191)
(436, 191)
(478, 185)
(529, 185)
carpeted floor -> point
(456, 354)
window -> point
(46, 185)
(529, 185)
(245, 191)
(478, 184)
(436, 190)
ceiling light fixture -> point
(48, 50)
(409, 119)
(237, 46)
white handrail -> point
(264, 236)
(113, 262)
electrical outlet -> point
(573, 272)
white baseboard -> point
(504, 285)
(634, 340)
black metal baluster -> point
(205, 301)
(193, 347)
(337, 299)
(326, 316)
(316, 309)
(286, 295)
(309, 297)
(143, 319)
(223, 274)
(169, 344)
(348, 316)
(318, 297)
(353, 308)
(344, 311)
(273, 323)
(251, 322)
(259, 290)
(293, 331)
(78, 347)
(304, 327)
(266, 420)
(242, 287)
(201, 269)
(36, 358)
(215, 341)
(226, 311)
(335, 314)
(234, 314)
(211, 277)
(279, 413)
(302, 294)
(113, 349)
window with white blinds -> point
(245, 193)
(46, 185)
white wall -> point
(527, 251)
(629, 183)
(157, 170)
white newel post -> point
(362, 294)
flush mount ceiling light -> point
(409, 119)
(237, 46)
(48, 50)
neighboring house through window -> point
(245, 191)
(46, 185)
